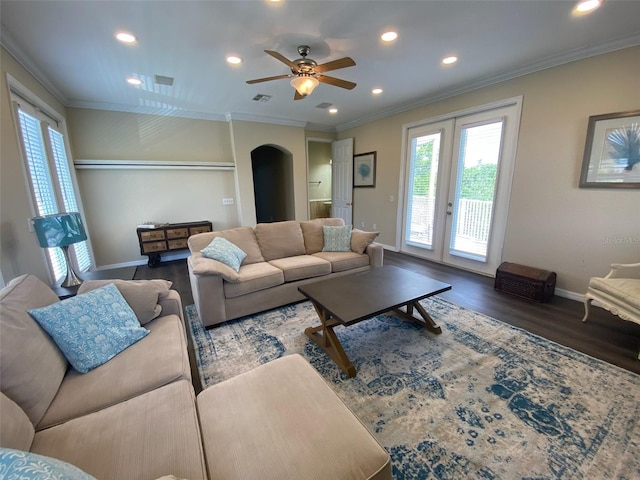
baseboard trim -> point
(143, 261)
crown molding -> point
(244, 117)
(548, 62)
(11, 46)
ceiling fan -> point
(306, 74)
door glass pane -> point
(475, 189)
(423, 175)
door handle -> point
(449, 205)
(349, 203)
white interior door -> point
(458, 184)
(342, 180)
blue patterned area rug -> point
(483, 400)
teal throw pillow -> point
(337, 239)
(31, 466)
(91, 328)
(224, 251)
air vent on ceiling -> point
(324, 105)
(162, 80)
(262, 98)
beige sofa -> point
(137, 417)
(281, 256)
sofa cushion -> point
(31, 365)
(17, 464)
(360, 240)
(282, 421)
(302, 266)
(158, 359)
(280, 239)
(336, 239)
(254, 277)
(312, 233)
(146, 437)
(92, 328)
(16, 430)
(141, 295)
(224, 251)
(341, 261)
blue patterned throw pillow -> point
(224, 251)
(31, 466)
(337, 239)
(91, 328)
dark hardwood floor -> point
(603, 336)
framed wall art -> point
(612, 152)
(364, 170)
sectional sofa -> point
(280, 257)
(135, 414)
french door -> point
(458, 182)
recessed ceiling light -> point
(333, 110)
(389, 36)
(376, 91)
(449, 60)
(586, 6)
(134, 81)
(234, 59)
(125, 37)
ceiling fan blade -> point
(297, 96)
(267, 79)
(336, 82)
(283, 59)
(335, 64)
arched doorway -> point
(272, 169)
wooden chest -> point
(525, 282)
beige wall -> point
(117, 200)
(319, 170)
(552, 223)
(245, 137)
(19, 249)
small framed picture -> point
(612, 152)
(364, 170)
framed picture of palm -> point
(364, 170)
(612, 152)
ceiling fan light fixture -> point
(304, 85)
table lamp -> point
(61, 230)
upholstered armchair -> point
(618, 292)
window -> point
(49, 176)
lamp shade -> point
(59, 229)
(304, 85)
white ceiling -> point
(70, 47)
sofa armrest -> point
(206, 266)
(620, 270)
(376, 254)
(171, 304)
(208, 294)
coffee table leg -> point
(324, 336)
(426, 321)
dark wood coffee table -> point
(350, 299)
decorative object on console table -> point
(157, 238)
(525, 282)
(61, 230)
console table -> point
(167, 238)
